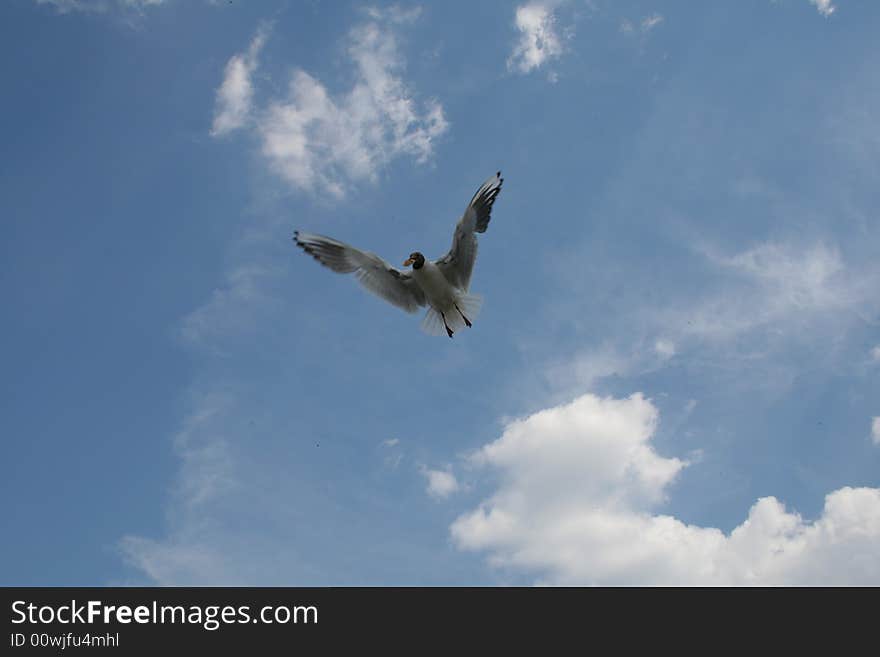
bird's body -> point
(439, 293)
(442, 285)
(452, 304)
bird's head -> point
(415, 259)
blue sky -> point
(675, 378)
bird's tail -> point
(468, 305)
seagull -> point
(442, 284)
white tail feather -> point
(468, 304)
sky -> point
(675, 376)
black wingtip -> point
(498, 174)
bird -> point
(441, 285)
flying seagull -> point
(442, 285)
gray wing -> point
(458, 264)
(375, 274)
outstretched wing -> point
(458, 264)
(375, 274)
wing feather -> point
(380, 278)
(458, 264)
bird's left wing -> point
(458, 264)
(375, 274)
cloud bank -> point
(577, 499)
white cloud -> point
(825, 7)
(579, 487)
(234, 101)
(875, 354)
(539, 41)
(875, 430)
(319, 142)
(441, 483)
(390, 442)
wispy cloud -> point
(318, 142)
(650, 22)
(67, 6)
(778, 287)
(825, 7)
(206, 478)
(875, 430)
(776, 283)
(664, 348)
(587, 366)
(233, 308)
(766, 299)
(577, 499)
(539, 39)
(234, 102)
(395, 456)
(647, 24)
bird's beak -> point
(408, 262)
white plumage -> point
(442, 285)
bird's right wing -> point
(375, 274)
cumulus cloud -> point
(539, 40)
(234, 101)
(441, 483)
(825, 7)
(319, 142)
(577, 503)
